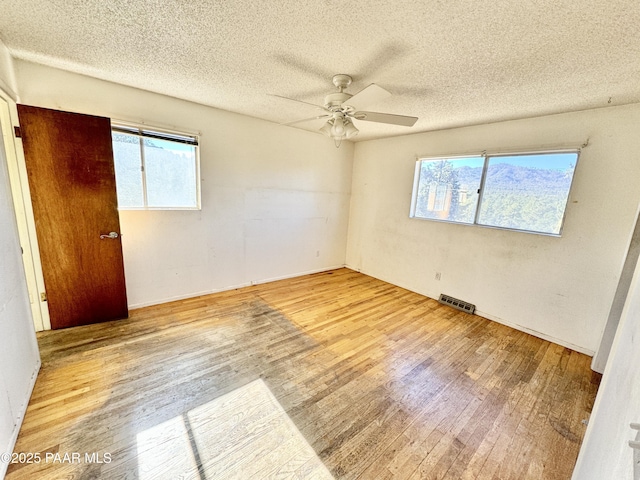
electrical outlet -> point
(438, 275)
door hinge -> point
(17, 132)
(43, 296)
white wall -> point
(605, 452)
(275, 200)
(19, 358)
(557, 288)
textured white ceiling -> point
(448, 62)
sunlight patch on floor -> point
(243, 434)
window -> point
(155, 170)
(447, 189)
(525, 191)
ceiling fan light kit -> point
(341, 108)
(339, 128)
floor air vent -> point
(455, 303)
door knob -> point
(109, 235)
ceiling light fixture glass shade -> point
(326, 128)
(338, 127)
(350, 129)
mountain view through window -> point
(526, 192)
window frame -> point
(158, 133)
(487, 156)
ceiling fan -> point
(341, 109)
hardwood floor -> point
(382, 383)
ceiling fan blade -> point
(386, 118)
(299, 101)
(319, 117)
(367, 96)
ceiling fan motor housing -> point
(335, 100)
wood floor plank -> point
(382, 382)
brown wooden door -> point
(69, 161)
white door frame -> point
(24, 212)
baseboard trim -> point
(231, 287)
(493, 318)
(19, 419)
(535, 333)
